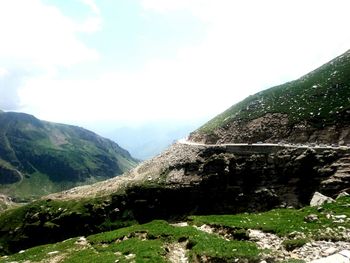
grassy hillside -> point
(213, 238)
(38, 157)
(321, 97)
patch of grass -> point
(39, 253)
(144, 243)
(202, 244)
(283, 221)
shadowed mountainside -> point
(39, 157)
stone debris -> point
(130, 256)
(341, 257)
(310, 251)
(53, 252)
(311, 218)
(177, 252)
(205, 228)
(81, 241)
(319, 199)
(180, 224)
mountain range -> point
(39, 157)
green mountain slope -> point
(39, 157)
(307, 109)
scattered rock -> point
(205, 228)
(177, 252)
(130, 256)
(53, 252)
(180, 224)
(81, 241)
(311, 218)
(319, 199)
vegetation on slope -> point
(321, 97)
(41, 157)
(155, 241)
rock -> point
(311, 218)
(339, 216)
(345, 253)
(53, 252)
(319, 199)
(342, 194)
(130, 256)
(341, 257)
(330, 251)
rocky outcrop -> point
(274, 128)
(5, 202)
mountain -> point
(39, 157)
(220, 202)
(313, 108)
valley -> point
(268, 180)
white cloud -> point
(253, 44)
(249, 45)
(33, 33)
(3, 72)
(92, 5)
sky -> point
(79, 61)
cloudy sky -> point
(76, 61)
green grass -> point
(284, 221)
(150, 242)
(159, 234)
(37, 185)
(319, 97)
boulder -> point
(311, 218)
(319, 199)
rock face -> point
(274, 128)
(223, 179)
